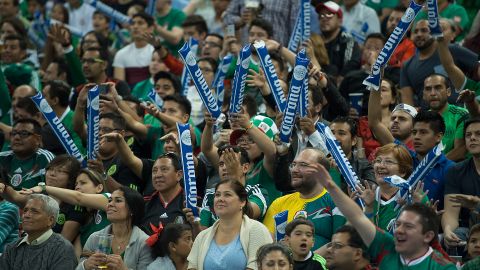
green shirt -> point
(257, 175)
(256, 194)
(472, 264)
(153, 137)
(173, 19)
(378, 5)
(454, 118)
(98, 222)
(253, 92)
(383, 248)
(142, 89)
(25, 173)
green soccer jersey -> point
(382, 249)
(454, 118)
(173, 19)
(320, 210)
(98, 222)
(142, 89)
(256, 195)
(25, 173)
(258, 175)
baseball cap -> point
(330, 6)
(265, 124)
(406, 108)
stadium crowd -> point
(261, 203)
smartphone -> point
(103, 89)
(230, 30)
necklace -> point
(120, 245)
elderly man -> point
(41, 248)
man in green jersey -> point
(436, 91)
(24, 166)
(409, 246)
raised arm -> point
(455, 74)
(126, 155)
(73, 197)
(207, 146)
(79, 125)
(352, 212)
(407, 95)
(13, 196)
(381, 132)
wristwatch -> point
(44, 187)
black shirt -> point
(157, 211)
(462, 178)
(122, 174)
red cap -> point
(330, 6)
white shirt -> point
(81, 17)
(131, 56)
(360, 21)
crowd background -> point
(53, 209)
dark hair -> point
(17, 24)
(62, 67)
(176, 162)
(251, 105)
(470, 121)
(317, 94)
(264, 24)
(103, 53)
(103, 42)
(428, 217)
(72, 167)
(213, 63)
(135, 203)
(118, 121)
(400, 8)
(94, 176)
(264, 250)
(298, 221)
(275, 56)
(139, 110)
(60, 90)
(240, 191)
(169, 76)
(197, 21)
(393, 89)
(103, 15)
(37, 129)
(433, 119)
(66, 15)
(170, 233)
(446, 80)
(474, 229)
(354, 240)
(182, 101)
(27, 104)
(347, 120)
(215, 35)
(377, 36)
(243, 153)
(146, 17)
(22, 41)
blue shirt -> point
(220, 256)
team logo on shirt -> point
(112, 170)
(61, 219)
(16, 180)
(98, 218)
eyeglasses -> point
(336, 245)
(385, 162)
(91, 61)
(23, 134)
(299, 164)
(245, 140)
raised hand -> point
(60, 34)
